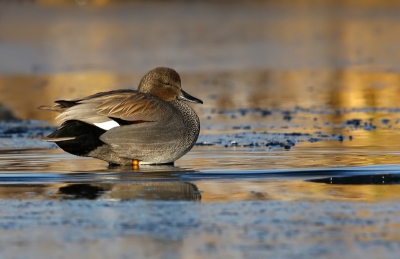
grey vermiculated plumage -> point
(156, 126)
(157, 142)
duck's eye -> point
(167, 83)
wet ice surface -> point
(24, 134)
(277, 229)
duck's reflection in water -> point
(177, 191)
(159, 182)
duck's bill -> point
(187, 97)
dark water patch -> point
(15, 130)
(287, 115)
(361, 179)
(267, 139)
(360, 124)
(205, 144)
(286, 145)
(301, 173)
(353, 122)
(296, 134)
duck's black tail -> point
(77, 137)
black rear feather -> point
(86, 137)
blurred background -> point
(232, 54)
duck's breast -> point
(161, 141)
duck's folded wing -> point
(62, 105)
(113, 109)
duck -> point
(150, 125)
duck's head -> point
(165, 83)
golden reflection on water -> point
(295, 190)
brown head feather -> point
(163, 82)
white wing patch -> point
(107, 124)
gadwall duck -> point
(151, 125)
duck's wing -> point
(62, 105)
(107, 110)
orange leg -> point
(135, 164)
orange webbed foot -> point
(135, 164)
